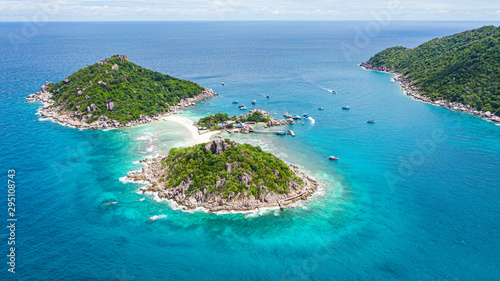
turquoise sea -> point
(414, 196)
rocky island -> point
(116, 93)
(224, 175)
(460, 72)
(240, 124)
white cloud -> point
(249, 10)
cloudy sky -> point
(148, 10)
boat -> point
(333, 158)
(306, 115)
(281, 133)
(296, 117)
(222, 83)
(334, 92)
(345, 107)
(286, 115)
(235, 102)
(267, 96)
(254, 102)
(370, 121)
(242, 107)
(321, 108)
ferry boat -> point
(254, 102)
(370, 121)
(333, 158)
(345, 107)
(321, 108)
(235, 102)
(286, 115)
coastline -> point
(410, 90)
(150, 174)
(65, 118)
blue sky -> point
(124, 10)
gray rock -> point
(217, 146)
(77, 107)
(110, 105)
(103, 84)
(114, 67)
(92, 107)
(87, 97)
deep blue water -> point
(414, 196)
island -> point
(116, 93)
(460, 72)
(240, 124)
(223, 175)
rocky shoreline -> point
(412, 91)
(153, 173)
(63, 117)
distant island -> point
(460, 72)
(116, 93)
(225, 175)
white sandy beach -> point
(199, 138)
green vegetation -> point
(464, 67)
(212, 122)
(251, 170)
(134, 90)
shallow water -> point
(413, 197)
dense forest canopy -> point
(464, 67)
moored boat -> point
(370, 121)
(333, 158)
(321, 108)
(286, 115)
(345, 107)
(281, 133)
(296, 117)
(254, 102)
(242, 107)
(235, 102)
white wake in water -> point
(313, 121)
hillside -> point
(116, 89)
(462, 68)
(223, 175)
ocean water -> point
(414, 196)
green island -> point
(461, 71)
(116, 92)
(225, 175)
(220, 121)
